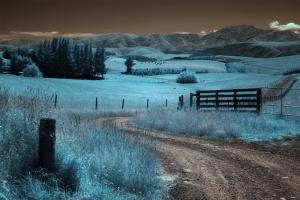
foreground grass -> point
(218, 125)
(92, 163)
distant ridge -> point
(249, 40)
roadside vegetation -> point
(92, 163)
(218, 125)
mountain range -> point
(241, 40)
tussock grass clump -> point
(218, 125)
(92, 163)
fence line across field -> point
(233, 100)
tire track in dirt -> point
(219, 170)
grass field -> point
(79, 94)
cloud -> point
(182, 32)
(36, 34)
(79, 35)
(284, 27)
(53, 34)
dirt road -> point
(203, 169)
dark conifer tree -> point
(99, 62)
(129, 64)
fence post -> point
(166, 103)
(217, 101)
(96, 106)
(191, 100)
(55, 101)
(147, 104)
(181, 101)
(281, 102)
(123, 101)
(234, 100)
(198, 100)
(47, 144)
(259, 100)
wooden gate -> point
(243, 100)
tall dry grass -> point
(92, 162)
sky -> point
(144, 16)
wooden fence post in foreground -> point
(47, 144)
(123, 101)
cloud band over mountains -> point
(283, 27)
(52, 34)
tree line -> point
(60, 58)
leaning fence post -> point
(47, 144)
(96, 105)
(123, 101)
(55, 101)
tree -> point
(7, 54)
(99, 62)
(44, 59)
(129, 64)
(77, 60)
(61, 58)
(87, 62)
(1, 62)
(18, 63)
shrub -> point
(141, 58)
(155, 71)
(32, 71)
(18, 63)
(186, 77)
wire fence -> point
(281, 101)
(275, 101)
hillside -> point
(254, 49)
(235, 40)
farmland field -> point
(185, 153)
(136, 90)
